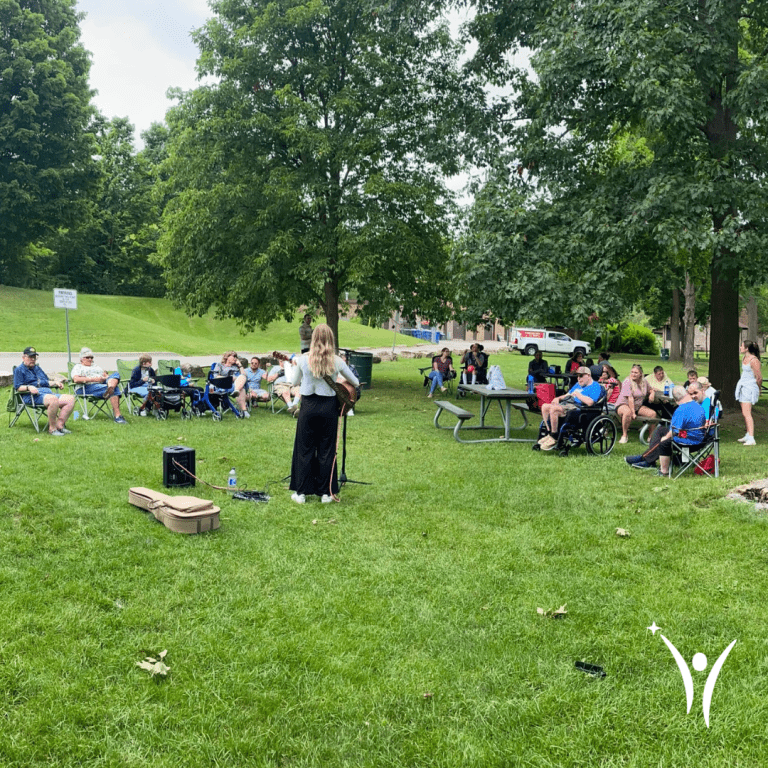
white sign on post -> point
(64, 299)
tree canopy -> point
(313, 165)
(688, 79)
(46, 139)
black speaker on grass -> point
(173, 475)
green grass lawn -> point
(398, 628)
(124, 323)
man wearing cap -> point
(95, 382)
(30, 381)
(584, 392)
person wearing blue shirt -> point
(30, 381)
(687, 427)
(253, 376)
(584, 392)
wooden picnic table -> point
(507, 399)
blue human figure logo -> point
(699, 663)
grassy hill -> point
(123, 323)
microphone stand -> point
(343, 479)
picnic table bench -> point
(506, 398)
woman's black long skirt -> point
(313, 468)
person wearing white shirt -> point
(313, 467)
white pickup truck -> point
(529, 340)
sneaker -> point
(65, 431)
(443, 389)
(299, 498)
(246, 414)
(56, 433)
(142, 413)
(643, 465)
(429, 395)
(750, 440)
(120, 420)
(633, 459)
(292, 408)
(743, 439)
(326, 499)
(623, 440)
(659, 473)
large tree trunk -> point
(689, 321)
(724, 346)
(721, 132)
(330, 305)
(674, 326)
(752, 328)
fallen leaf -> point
(557, 614)
(428, 694)
(622, 532)
(36, 440)
(155, 666)
(314, 522)
(332, 521)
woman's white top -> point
(747, 389)
(300, 374)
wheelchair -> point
(166, 395)
(591, 426)
(215, 397)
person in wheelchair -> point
(585, 392)
(687, 427)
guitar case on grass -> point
(181, 514)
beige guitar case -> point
(182, 514)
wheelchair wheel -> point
(216, 416)
(136, 411)
(185, 414)
(601, 436)
(563, 452)
(161, 415)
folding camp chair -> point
(165, 367)
(125, 369)
(16, 407)
(92, 405)
(685, 457)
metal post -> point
(69, 349)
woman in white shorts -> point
(748, 388)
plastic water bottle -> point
(666, 390)
(530, 384)
(232, 479)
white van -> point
(528, 340)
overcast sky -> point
(139, 49)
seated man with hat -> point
(31, 382)
(94, 381)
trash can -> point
(363, 362)
(665, 354)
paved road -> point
(56, 362)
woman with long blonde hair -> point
(313, 468)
